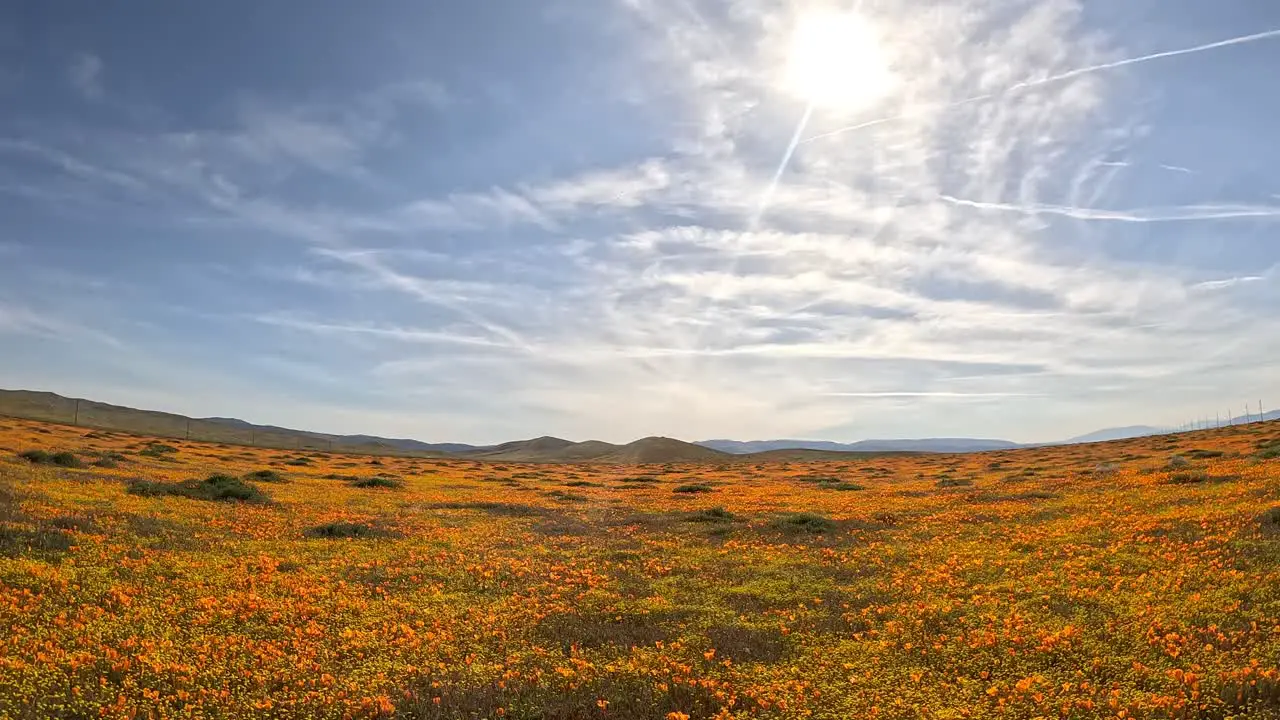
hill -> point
(653, 450)
(1118, 433)
(543, 449)
(51, 407)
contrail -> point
(1055, 78)
(782, 166)
(768, 196)
(1182, 213)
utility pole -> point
(76, 419)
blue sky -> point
(484, 221)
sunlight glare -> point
(836, 62)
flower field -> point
(146, 578)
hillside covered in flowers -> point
(169, 579)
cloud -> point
(1145, 215)
(85, 76)
(1226, 283)
(269, 135)
(20, 320)
(408, 335)
(684, 286)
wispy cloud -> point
(19, 320)
(1226, 282)
(1184, 213)
(1053, 78)
(409, 335)
(85, 75)
(638, 272)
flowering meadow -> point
(156, 578)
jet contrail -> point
(782, 166)
(1054, 78)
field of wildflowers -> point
(168, 579)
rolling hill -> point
(51, 407)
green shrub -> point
(845, 486)
(1188, 477)
(15, 541)
(42, 457)
(265, 476)
(157, 450)
(567, 497)
(692, 488)
(217, 487)
(713, 515)
(818, 479)
(1205, 454)
(342, 530)
(377, 482)
(38, 457)
(496, 508)
(1271, 521)
(804, 522)
(950, 482)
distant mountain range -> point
(56, 408)
(938, 445)
(1119, 433)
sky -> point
(608, 219)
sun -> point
(836, 61)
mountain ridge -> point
(48, 406)
(742, 447)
